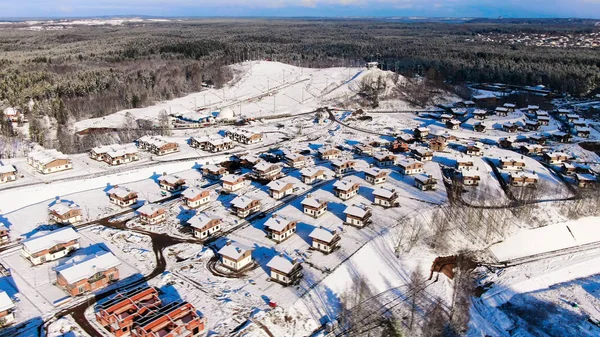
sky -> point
(286, 8)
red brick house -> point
(176, 319)
(117, 314)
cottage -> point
(531, 149)
(506, 142)
(279, 189)
(93, 273)
(49, 161)
(233, 182)
(7, 310)
(479, 127)
(522, 179)
(464, 163)
(157, 145)
(345, 189)
(195, 197)
(479, 114)
(118, 313)
(7, 173)
(553, 158)
(541, 113)
(580, 124)
(266, 171)
(572, 118)
(342, 166)
(385, 197)
(213, 171)
(285, 270)
(329, 153)
(295, 160)
(245, 136)
(533, 108)
(363, 149)
(512, 164)
(311, 174)
(383, 159)
(585, 180)
(171, 183)
(543, 120)
(152, 214)
(172, 320)
(357, 215)
(122, 196)
(313, 206)
(244, 206)
(438, 144)
(502, 111)
(509, 127)
(485, 99)
(459, 112)
(510, 107)
(583, 132)
(13, 115)
(562, 137)
(421, 133)
(425, 182)
(470, 177)
(453, 124)
(568, 168)
(410, 166)
(537, 139)
(115, 154)
(445, 118)
(205, 225)
(562, 113)
(375, 176)
(423, 153)
(213, 143)
(235, 256)
(474, 149)
(51, 246)
(4, 234)
(279, 228)
(324, 240)
(65, 213)
(249, 160)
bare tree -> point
(164, 123)
(416, 287)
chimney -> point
(228, 243)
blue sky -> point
(339, 8)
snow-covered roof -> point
(149, 209)
(324, 149)
(445, 116)
(293, 156)
(578, 129)
(277, 185)
(502, 109)
(120, 191)
(10, 112)
(555, 154)
(344, 185)
(61, 208)
(564, 111)
(408, 161)
(170, 179)
(384, 192)
(422, 151)
(241, 201)
(380, 155)
(322, 234)
(264, 166)
(49, 240)
(212, 168)
(47, 156)
(7, 169)
(532, 107)
(312, 202)
(231, 178)
(202, 219)
(88, 267)
(470, 173)
(234, 250)
(356, 211)
(425, 178)
(157, 141)
(341, 162)
(282, 263)
(251, 158)
(521, 175)
(5, 302)
(573, 116)
(311, 171)
(116, 150)
(585, 177)
(277, 222)
(373, 171)
(423, 129)
(191, 193)
(509, 105)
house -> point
(49, 161)
(506, 142)
(522, 179)
(233, 182)
(235, 256)
(205, 225)
(438, 144)
(279, 189)
(583, 132)
(357, 215)
(501, 111)
(385, 197)
(285, 270)
(213, 171)
(459, 112)
(213, 143)
(152, 214)
(421, 133)
(562, 137)
(171, 183)
(462, 163)
(341, 166)
(249, 160)
(92, 273)
(295, 160)
(313, 206)
(479, 114)
(531, 149)
(479, 127)
(543, 120)
(324, 240)
(423, 153)
(444, 118)
(537, 139)
(512, 164)
(509, 127)
(474, 149)
(572, 118)
(312, 174)
(244, 206)
(363, 149)
(157, 145)
(279, 228)
(453, 124)
(485, 99)
(410, 166)
(7, 310)
(4, 234)
(195, 197)
(375, 176)
(470, 177)
(172, 320)
(533, 108)
(541, 114)
(329, 153)
(579, 123)
(118, 313)
(345, 189)
(585, 180)
(568, 168)
(7, 173)
(245, 136)
(65, 213)
(553, 158)
(383, 159)
(532, 125)
(115, 154)
(266, 171)
(425, 182)
(562, 113)
(122, 196)
(51, 246)
(510, 107)
(13, 115)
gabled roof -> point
(323, 234)
(356, 211)
(278, 185)
(149, 209)
(234, 250)
(312, 202)
(277, 223)
(344, 185)
(49, 240)
(241, 201)
(200, 220)
(373, 171)
(5, 302)
(384, 192)
(311, 171)
(7, 169)
(213, 168)
(382, 155)
(264, 166)
(425, 178)
(170, 179)
(340, 162)
(88, 267)
(408, 161)
(62, 208)
(231, 178)
(323, 149)
(120, 191)
(282, 263)
(191, 193)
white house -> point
(357, 215)
(375, 175)
(205, 225)
(279, 189)
(385, 197)
(51, 246)
(233, 182)
(235, 256)
(279, 228)
(313, 206)
(324, 240)
(195, 197)
(345, 189)
(285, 270)
(65, 213)
(7, 310)
(312, 174)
